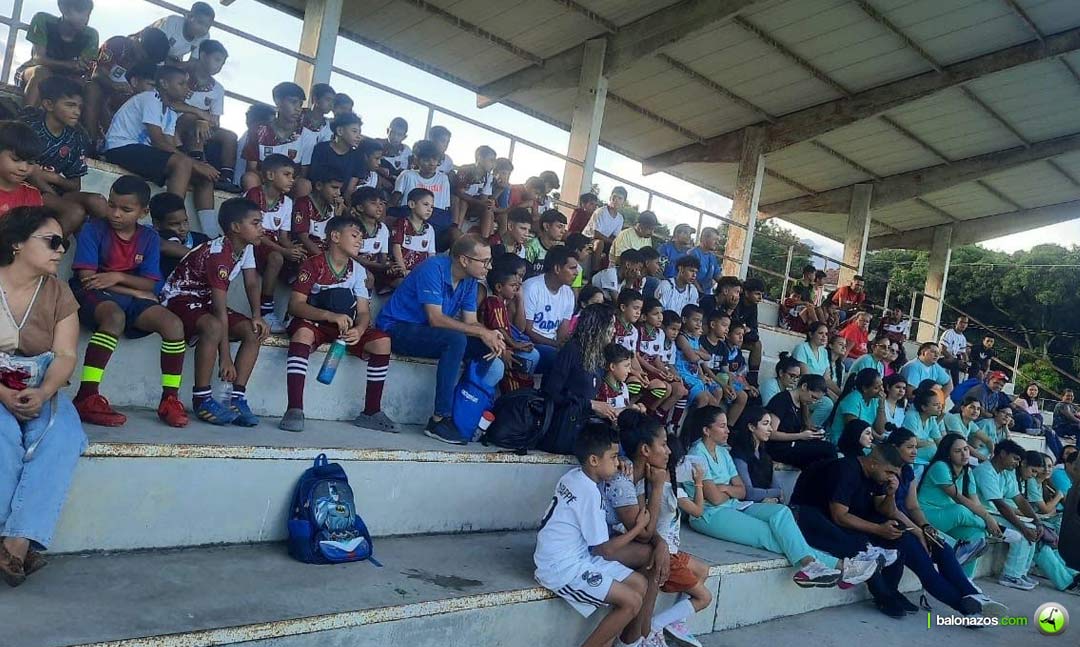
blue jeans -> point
(530, 360)
(32, 493)
(451, 348)
(547, 358)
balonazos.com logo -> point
(934, 620)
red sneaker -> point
(96, 410)
(172, 412)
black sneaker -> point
(907, 605)
(443, 430)
(226, 186)
(890, 608)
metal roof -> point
(887, 87)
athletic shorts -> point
(696, 386)
(145, 161)
(132, 307)
(680, 578)
(190, 311)
(328, 332)
(289, 269)
(588, 590)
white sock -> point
(681, 610)
(208, 222)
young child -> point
(514, 236)
(651, 344)
(142, 139)
(329, 301)
(369, 158)
(573, 545)
(426, 177)
(587, 204)
(60, 46)
(504, 311)
(284, 135)
(681, 291)
(62, 162)
(702, 390)
(343, 104)
(552, 231)
(109, 86)
(188, 31)
(276, 246)
(654, 452)
(369, 208)
(396, 152)
(412, 239)
(199, 124)
(311, 212)
(714, 342)
(197, 293)
(116, 273)
(652, 392)
(618, 363)
(500, 189)
(475, 207)
(440, 137)
(258, 114)
(338, 157)
(19, 147)
(170, 218)
(314, 118)
(729, 368)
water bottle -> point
(330, 364)
(485, 421)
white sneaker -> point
(680, 633)
(990, 607)
(1029, 580)
(276, 324)
(888, 554)
(816, 574)
(857, 571)
(1016, 583)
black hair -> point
(742, 440)
(716, 315)
(321, 90)
(630, 256)
(672, 317)
(691, 309)
(155, 43)
(419, 193)
(808, 269)
(813, 382)
(500, 275)
(367, 193)
(58, 87)
(165, 203)
(892, 380)
(848, 444)
(628, 296)
(649, 253)
(785, 362)
(132, 185)
(888, 454)
(588, 197)
(812, 329)
(19, 138)
(753, 284)
(922, 398)
(485, 151)
(519, 215)
(259, 112)
(697, 420)
(340, 223)
(636, 429)
(76, 5)
(552, 216)
(675, 457)
(820, 274)
(509, 261)
(926, 346)
(690, 261)
(725, 282)
(858, 277)
(558, 256)
(438, 131)
(234, 210)
(288, 90)
(341, 99)
(577, 240)
(1008, 447)
(275, 162)
(369, 147)
(212, 46)
(594, 439)
(201, 8)
(325, 173)
(18, 226)
(142, 70)
(650, 304)
(942, 455)
(619, 190)
(345, 120)
(899, 436)
(586, 293)
(425, 149)
(504, 163)
(168, 71)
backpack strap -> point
(321, 461)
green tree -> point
(768, 256)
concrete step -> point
(146, 485)
(433, 591)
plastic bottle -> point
(485, 421)
(330, 364)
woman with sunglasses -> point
(787, 377)
(41, 435)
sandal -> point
(33, 562)
(11, 568)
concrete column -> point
(857, 233)
(937, 275)
(585, 125)
(744, 207)
(322, 18)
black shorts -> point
(132, 308)
(145, 161)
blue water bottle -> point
(330, 364)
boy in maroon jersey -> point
(613, 389)
(276, 254)
(330, 301)
(312, 212)
(369, 209)
(412, 239)
(197, 292)
(284, 135)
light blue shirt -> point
(818, 363)
(710, 269)
(930, 430)
(429, 283)
(915, 372)
(867, 361)
(719, 469)
(853, 404)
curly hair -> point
(595, 330)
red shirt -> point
(847, 298)
(578, 220)
(23, 195)
(857, 340)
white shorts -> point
(588, 590)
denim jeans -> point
(32, 493)
(451, 348)
(547, 358)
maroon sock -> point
(376, 378)
(677, 413)
(296, 373)
(98, 351)
(661, 414)
(172, 366)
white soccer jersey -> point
(574, 522)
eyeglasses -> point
(55, 241)
(485, 261)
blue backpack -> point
(472, 398)
(324, 527)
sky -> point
(246, 74)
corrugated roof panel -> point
(649, 142)
(827, 224)
(1052, 16)
(1034, 185)
(1042, 101)
(908, 215)
(784, 92)
(774, 190)
(954, 125)
(889, 63)
(967, 200)
(969, 31)
(880, 148)
(622, 12)
(778, 15)
(711, 39)
(810, 166)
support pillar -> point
(937, 275)
(857, 232)
(744, 207)
(585, 124)
(322, 18)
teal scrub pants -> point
(763, 525)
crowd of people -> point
(651, 356)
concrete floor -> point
(862, 624)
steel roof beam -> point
(889, 25)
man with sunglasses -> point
(433, 314)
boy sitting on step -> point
(116, 273)
(276, 248)
(170, 218)
(330, 301)
(574, 554)
(197, 292)
(412, 239)
(311, 212)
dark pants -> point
(940, 575)
(1022, 421)
(953, 366)
(801, 453)
(451, 348)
